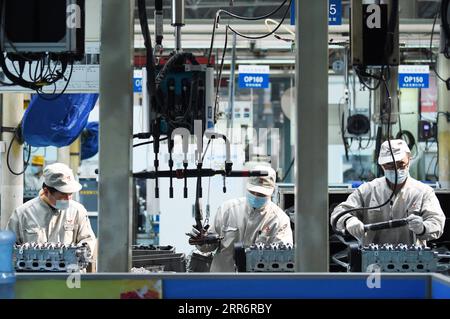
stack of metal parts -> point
(265, 258)
(51, 257)
(398, 258)
(199, 262)
(158, 258)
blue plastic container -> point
(7, 273)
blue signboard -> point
(293, 12)
(334, 12)
(137, 84)
(414, 76)
(253, 76)
(258, 81)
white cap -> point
(60, 177)
(399, 148)
(264, 185)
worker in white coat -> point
(53, 217)
(34, 175)
(412, 200)
(251, 219)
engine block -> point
(51, 257)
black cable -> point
(150, 61)
(142, 135)
(149, 142)
(411, 141)
(42, 94)
(9, 151)
(288, 170)
(219, 79)
(217, 18)
(339, 215)
(341, 126)
(362, 73)
(267, 34)
(265, 16)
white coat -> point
(36, 221)
(413, 198)
(237, 222)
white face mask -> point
(402, 175)
(62, 204)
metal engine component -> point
(398, 258)
(158, 258)
(265, 258)
(51, 257)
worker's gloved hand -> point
(415, 224)
(355, 227)
(194, 232)
(197, 234)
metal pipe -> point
(443, 67)
(116, 129)
(231, 89)
(177, 21)
(63, 155)
(311, 159)
(177, 38)
(75, 159)
(177, 12)
(12, 185)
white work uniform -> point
(33, 182)
(237, 222)
(36, 221)
(413, 198)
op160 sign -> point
(253, 76)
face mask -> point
(402, 174)
(62, 204)
(256, 201)
(35, 170)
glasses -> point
(400, 165)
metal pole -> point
(75, 158)
(63, 155)
(116, 123)
(311, 180)
(231, 89)
(178, 21)
(178, 38)
(12, 185)
(443, 67)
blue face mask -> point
(62, 204)
(35, 170)
(402, 174)
(256, 201)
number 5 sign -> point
(334, 12)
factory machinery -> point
(158, 258)
(355, 258)
(51, 257)
(380, 258)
